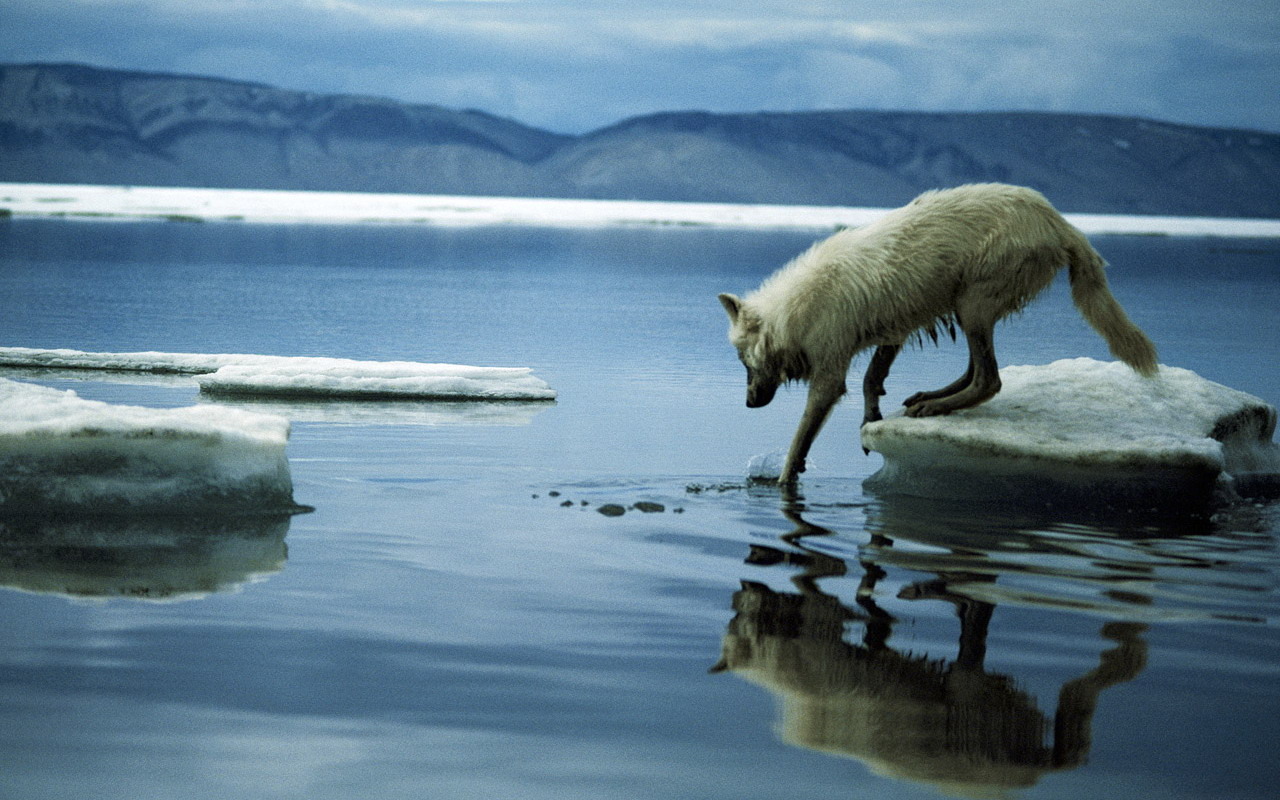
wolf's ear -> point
(732, 305)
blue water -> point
(455, 620)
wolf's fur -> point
(963, 257)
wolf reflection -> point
(950, 724)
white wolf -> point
(967, 256)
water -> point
(453, 622)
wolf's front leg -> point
(873, 381)
(823, 395)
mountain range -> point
(68, 123)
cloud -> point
(572, 65)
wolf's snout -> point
(760, 396)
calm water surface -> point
(455, 620)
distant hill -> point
(62, 123)
(68, 123)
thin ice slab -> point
(303, 377)
(1082, 430)
(146, 361)
(62, 454)
(339, 378)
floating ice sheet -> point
(180, 363)
(244, 374)
(432, 413)
(62, 454)
(1084, 428)
(332, 377)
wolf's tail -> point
(1098, 306)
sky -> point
(575, 65)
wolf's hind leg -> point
(946, 391)
(873, 381)
(984, 374)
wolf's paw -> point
(790, 474)
(918, 398)
(927, 408)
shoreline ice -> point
(91, 202)
(300, 376)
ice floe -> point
(270, 206)
(1084, 430)
(63, 454)
(428, 413)
(766, 467)
(149, 361)
(290, 376)
(333, 377)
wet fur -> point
(964, 257)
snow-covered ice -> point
(430, 413)
(149, 361)
(243, 374)
(333, 377)
(1086, 429)
(60, 453)
(270, 206)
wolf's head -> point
(764, 373)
